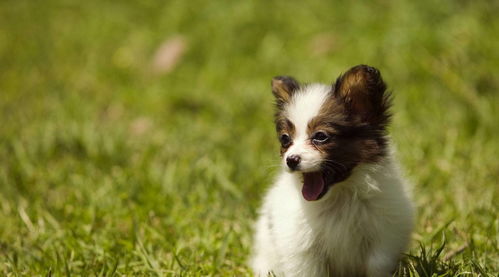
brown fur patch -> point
(283, 88)
(284, 126)
(362, 90)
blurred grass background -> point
(111, 166)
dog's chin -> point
(316, 184)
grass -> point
(108, 168)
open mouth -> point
(315, 185)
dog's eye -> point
(320, 137)
(285, 140)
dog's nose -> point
(293, 161)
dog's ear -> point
(362, 90)
(283, 87)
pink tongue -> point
(313, 185)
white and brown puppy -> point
(340, 206)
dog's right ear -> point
(363, 92)
(283, 87)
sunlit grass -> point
(109, 167)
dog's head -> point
(326, 131)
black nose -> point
(293, 161)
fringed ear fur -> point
(283, 88)
(362, 90)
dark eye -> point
(285, 140)
(320, 137)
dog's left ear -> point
(283, 87)
(362, 90)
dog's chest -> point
(335, 234)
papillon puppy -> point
(339, 207)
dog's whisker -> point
(336, 163)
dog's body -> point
(353, 216)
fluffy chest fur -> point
(340, 206)
(359, 229)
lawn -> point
(119, 159)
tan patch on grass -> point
(169, 54)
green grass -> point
(108, 169)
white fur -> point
(363, 223)
(305, 105)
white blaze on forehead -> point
(305, 105)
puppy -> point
(339, 207)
